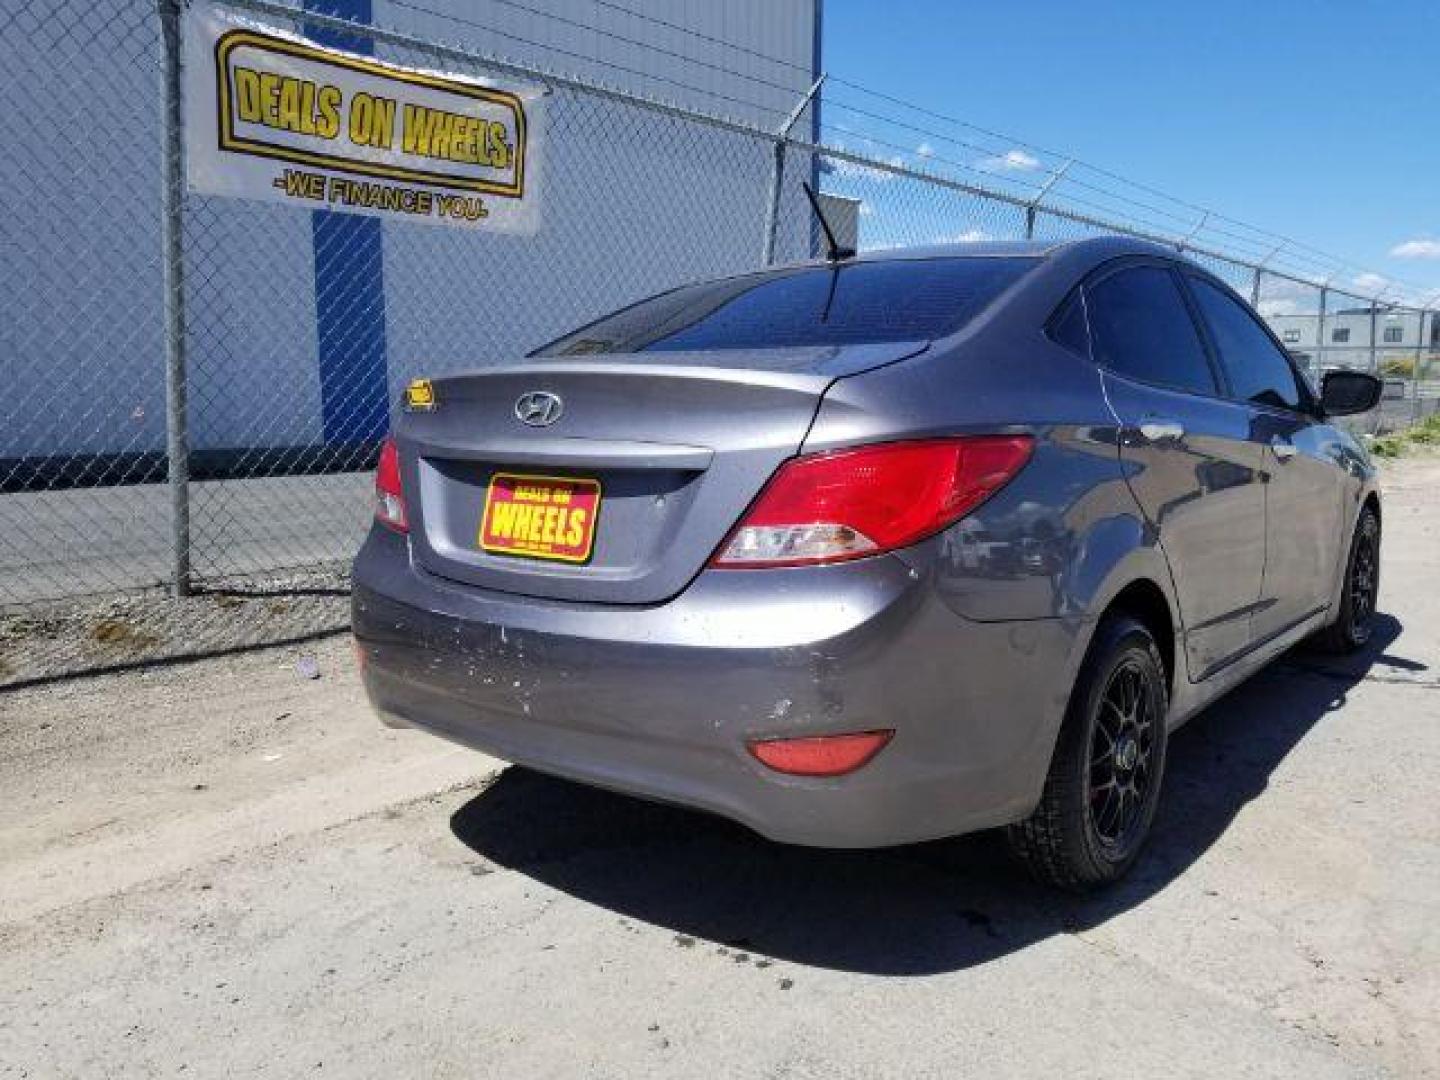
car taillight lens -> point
(844, 504)
(389, 496)
(820, 755)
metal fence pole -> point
(1374, 365)
(1255, 289)
(1320, 336)
(177, 441)
(1374, 344)
(777, 171)
(1415, 416)
(1033, 206)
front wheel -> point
(1354, 623)
(1104, 781)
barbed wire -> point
(1059, 178)
(1255, 242)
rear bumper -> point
(660, 701)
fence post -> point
(1374, 366)
(1374, 332)
(1255, 289)
(1415, 416)
(1320, 336)
(172, 254)
(1033, 206)
(777, 170)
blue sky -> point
(1317, 120)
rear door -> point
(1307, 486)
(1192, 462)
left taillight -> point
(389, 493)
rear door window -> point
(1141, 327)
(858, 303)
(1258, 371)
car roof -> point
(1093, 250)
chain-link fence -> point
(175, 478)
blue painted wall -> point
(349, 290)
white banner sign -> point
(270, 115)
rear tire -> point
(1104, 781)
(1351, 630)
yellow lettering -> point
(372, 121)
(327, 124)
(499, 146)
(269, 99)
(576, 533)
(289, 105)
(247, 95)
(502, 519)
(521, 526)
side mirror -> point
(1345, 393)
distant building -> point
(1398, 335)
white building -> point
(302, 326)
(1349, 336)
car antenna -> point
(834, 252)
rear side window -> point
(1067, 326)
(859, 303)
(1257, 369)
(1140, 327)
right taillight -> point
(845, 504)
(389, 495)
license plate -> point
(540, 517)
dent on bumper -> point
(660, 701)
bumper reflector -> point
(820, 755)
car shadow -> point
(914, 910)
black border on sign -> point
(234, 39)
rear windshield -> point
(855, 304)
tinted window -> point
(1067, 326)
(1257, 369)
(900, 300)
(1140, 326)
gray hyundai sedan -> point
(874, 550)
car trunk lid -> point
(679, 448)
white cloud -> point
(969, 236)
(925, 150)
(1285, 297)
(1417, 249)
(1270, 309)
(1371, 282)
(865, 173)
(1011, 161)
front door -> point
(1306, 487)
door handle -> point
(1283, 449)
(1162, 430)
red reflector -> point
(389, 495)
(844, 504)
(820, 755)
